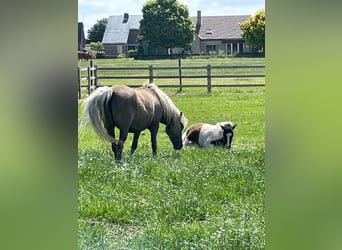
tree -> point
(98, 47)
(254, 30)
(96, 32)
(166, 24)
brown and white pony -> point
(132, 110)
(208, 136)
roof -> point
(221, 27)
(117, 30)
(212, 27)
(133, 37)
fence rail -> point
(93, 76)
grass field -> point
(187, 199)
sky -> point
(89, 11)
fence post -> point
(79, 82)
(96, 79)
(209, 78)
(91, 73)
(180, 74)
(89, 79)
(150, 73)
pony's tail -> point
(95, 111)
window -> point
(119, 49)
(210, 49)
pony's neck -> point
(164, 117)
(169, 110)
(163, 102)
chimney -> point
(126, 16)
(199, 21)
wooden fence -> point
(93, 76)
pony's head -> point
(228, 132)
(174, 130)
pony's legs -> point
(186, 141)
(135, 142)
(115, 150)
(208, 144)
(123, 137)
(154, 131)
(111, 131)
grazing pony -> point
(208, 135)
(133, 110)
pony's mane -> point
(171, 112)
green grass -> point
(188, 199)
(196, 61)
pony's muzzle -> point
(178, 147)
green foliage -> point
(166, 24)
(96, 32)
(120, 56)
(140, 50)
(132, 52)
(254, 29)
(97, 46)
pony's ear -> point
(234, 126)
(222, 126)
(183, 119)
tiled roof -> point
(221, 27)
(133, 37)
(117, 31)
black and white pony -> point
(208, 135)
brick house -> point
(213, 35)
(218, 33)
(121, 34)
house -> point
(121, 34)
(213, 34)
(81, 37)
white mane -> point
(171, 112)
